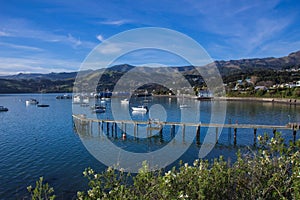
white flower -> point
(259, 138)
(90, 172)
(90, 193)
(196, 162)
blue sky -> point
(53, 36)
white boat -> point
(125, 101)
(31, 102)
(3, 109)
(140, 109)
(103, 101)
(184, 106)
(76, 99)
(86, 100)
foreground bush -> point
(272, 172)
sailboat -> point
(182, 105)
(41, 104)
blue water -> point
(38, 142)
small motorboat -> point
(184, 106)
(31, 102)
(84, 104)
(76, 99)
(65, 96)
(125, 101)
(97, 106)
(99, 109)
(43, 105)
(140, 109)
(86, 100)
(3, 109)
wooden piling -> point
(183, 132)
(107, 128)
(172, 130)
(217, 134)
(112, 129)
(294, 135)
(254, 139)
(99, 128)
(234, 136)
(135, 130)
(116, 131)
(198, 134)
(160, 131)
(91, 127)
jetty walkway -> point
(83, 123)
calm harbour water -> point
(38, 142)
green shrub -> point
(272, 171)
(42, 191)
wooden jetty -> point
(83, 123)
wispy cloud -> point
(12, 65)
(241, 26)
(22, 28)
(4, 34)
(22, 47)
(74, 41)
(115, 22)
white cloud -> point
(22, 47)
(10, 65)
(100, 38)
(4, 34)
(110, 48)
(74, 41)
(22, 28)
(115, 22)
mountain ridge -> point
(291, 60)
(63, 81)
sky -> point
(56, 36)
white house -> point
(298, 84)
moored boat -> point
(31, 102)
(65, 96)
(140, 109)
(43, 105)
(76, 99)
(3, 109)
(125, 101)
(184, 106)
(99, 109)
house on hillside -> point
(243, 84)
(264, 88)
(298, 84)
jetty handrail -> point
(252, 126)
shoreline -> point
(289, 101)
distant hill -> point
(246, 65)
(63, 82)
(35, 76)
